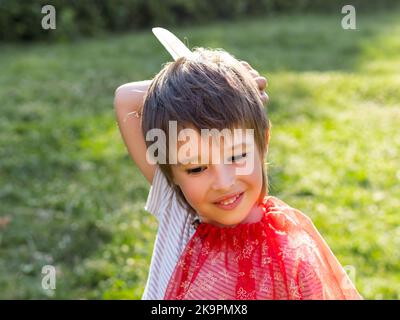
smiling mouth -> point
(231, 202)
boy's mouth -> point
(230, 202)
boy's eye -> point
(195, 170)
(238, 157)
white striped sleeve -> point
(160, 195)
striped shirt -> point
(175, 229)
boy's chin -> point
(234, 221)
(247, 212)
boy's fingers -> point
(246, 64)
(264, 97)
(262, 82)
(254, 73)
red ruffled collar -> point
(281, 256)
(268, 205)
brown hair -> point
(211, 89)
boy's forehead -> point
(192, 144)
(214, 137)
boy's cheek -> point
(192, 192)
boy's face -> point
(222, 193)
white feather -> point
(174, 46)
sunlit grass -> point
(71, 197)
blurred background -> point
(70, 196)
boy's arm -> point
(129, 98)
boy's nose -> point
(224, 178)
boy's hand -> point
(261, 81)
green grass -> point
(71, 197)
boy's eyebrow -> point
(197, 157)
(188, 161)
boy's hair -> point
(209, 90)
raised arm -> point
(128, 99)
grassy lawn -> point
(71, 197)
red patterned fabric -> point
(280, 257)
